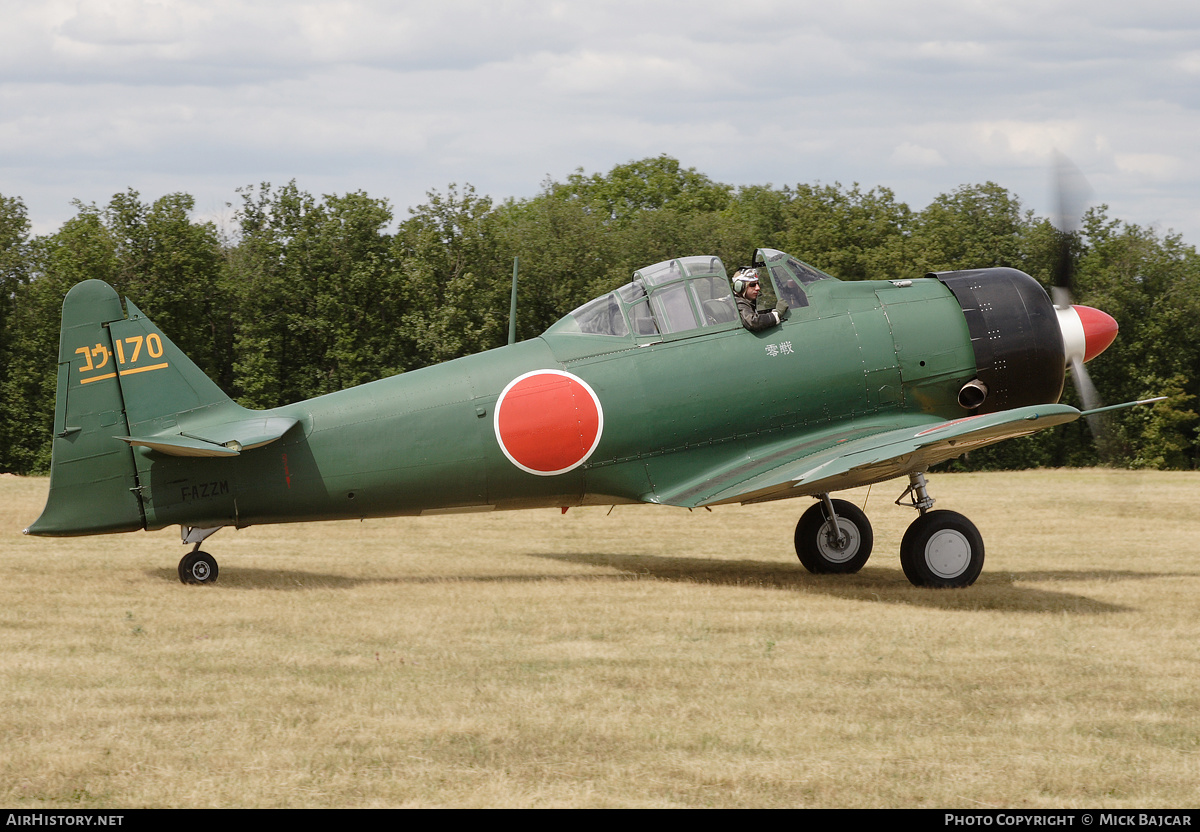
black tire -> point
(942, 549)
(198, 568)
(819, 555)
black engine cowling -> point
(1019, 355)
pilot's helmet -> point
(743, 279)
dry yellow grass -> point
(651, 657)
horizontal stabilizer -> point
(179, 445)
(245, 433)
(222, 439)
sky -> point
(401, 98)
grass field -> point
(649, 657)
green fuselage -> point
(674, 406)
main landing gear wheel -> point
(942, 549)
(823, 552)
(198, 568)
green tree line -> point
(305, 295)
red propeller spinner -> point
(1086, 332)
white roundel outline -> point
(572, 377)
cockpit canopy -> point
(788, 275)
(687, 293)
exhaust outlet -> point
(972, 394)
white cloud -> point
(1154, 166)
(908, 154)
(621, 73)
(967, 51)
(128, 23)
(1189, 62)
(1029, 143)
(400, 98)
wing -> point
(858, 452)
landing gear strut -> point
(941, 549)
(833, 537)
(197, 567)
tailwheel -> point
(824, 548)
(198, 568)
(942, 549)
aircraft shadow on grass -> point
(1004, 591)
(288, 580)
(998, 591)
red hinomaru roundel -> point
(548, 422)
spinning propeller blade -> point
(1087, 332)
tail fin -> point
(117, 377)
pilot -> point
(746, 290)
